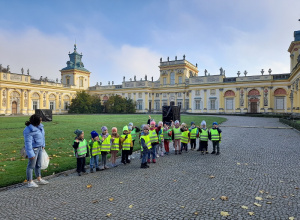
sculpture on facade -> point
(27, 71)
(175, 57)
(262, 71)
(145, 77)
(196, 64)
(221, 71)
(41, 78)
(7, 69)
(0, 67)
(134, 77)
(245, 73)
(168, 59)
(242, 98)
(161, 59)
(22, 70)
(265, 97)
(205, 72)
(152, 78)
(108, 82)
(112, 82)
(56, 80)
(184, 57)
(100, 83)
(270, 71)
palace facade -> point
(179, 84)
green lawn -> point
(59, 139)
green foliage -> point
(294, 124)
(84, 103)
(117, 104)
(59, 139)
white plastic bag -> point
(45, 160)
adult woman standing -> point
(34, 138)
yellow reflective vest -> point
(127, 143)
(115, 144)
(106, 144)
(194, 133)
(147, 141)
(214, 134)
(82, 147)
(185, 137)
(95, 148)
(204, 134)
(177, 133)
(153, 136)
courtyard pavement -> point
(257, 173)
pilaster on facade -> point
(205, 101)
(270, 101)
(221, 101)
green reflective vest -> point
(194, 133)
(133, 134)
(161, 135)
(82, 147)
(185, 137)
(106, 144)
(147, 141)
(204, 134)
(166, 134)
(177, 133)
(153, 136)
(214, 135)
(115, 144)
(127, 142)
(95, 148)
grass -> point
(59, 140)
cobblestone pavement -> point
(256, 166)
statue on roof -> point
(152, 78)
(7, 69)
(22, 70)
(145, 77)
(134, 77)
(123, 78)
(161, 59)
(184, 57)
(205, 72)
(27, 71)
(0, 67)
(221, 71)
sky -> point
(128, 37)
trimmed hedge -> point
(290, 123)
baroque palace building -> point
(179, 84)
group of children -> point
(153, 138)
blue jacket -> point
(33, 137)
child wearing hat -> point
(160, 140)
(215, 136)
(185, 138)
(193, 135)
(145, 145)
(176, 136)
(115, 145)
(94, 151)
(153, 134)
(203, 142)
(133, 130)
(105, 147)
(80, 146)
(126, 144)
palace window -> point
(197, 104)
(179, 104)
(172, 78)
(157, 105)
(139, 105)
(165, 80)
(34, 105)
(186, 104)
(81, 82)
(68, 81)
(179, 94)
(66, 105)
(52, 105)
(179, 79)
(229, 104)
(212, 104)
(164, 94)
(279, 103)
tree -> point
(117, 104)
(84, 103)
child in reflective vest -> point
(153, 134)
(203, 142)
(185, 138)
(105, 147)
(115, 145)
(94, 151)
(215, 136)
(193, 135)
(167, 132)
(126, 144)
(160, 140)
(80, 146)
(145, 145)
(176, 136)
(132, 130)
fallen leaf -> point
(238, 163)
(291, 218)
(250, 178)
(246, 164)
(174, 180)
(182, 207)
(213, 199)
(269, 202)
(89, 186)
(281, 181)
(244, 207)
(284, 196)
(211, 177)
(95, 201)
(258, 198)
(251, 213)
(25, 181)
(269, 197)
(195, 213)
(108, 215)
(111, 199)
(121, 182)
(292, 195)
(257, 204)
(224, 198)
(14, 151)
(261, 191)
(130, 206)
(296, 187)
(225, 214)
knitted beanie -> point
(114, 129)
(94, 134)
(125, 128)
(78, 132)
(104, 128)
